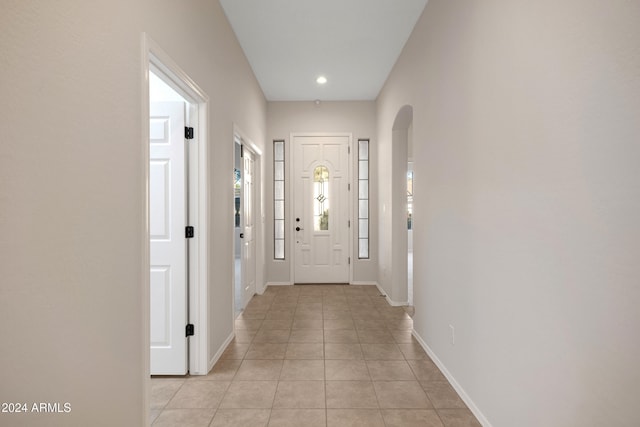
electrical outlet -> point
(453, 335)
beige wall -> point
(284, 118)
(71, 194)
(525, 148)
(527, 202)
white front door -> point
(168, 247)
(247, 240)
(321, 209)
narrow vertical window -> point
(237, 182)
(321, 198)
(278, 200)
(410, 200)
(363, 198)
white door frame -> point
(258, 237)
(289, 154)
(153, 57)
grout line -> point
(351, 300)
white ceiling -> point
(354, 43)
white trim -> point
(219, 353)
(259, 213)
(458, 388)
(145, 284)
(278, 284)
(351, 194)
(235, 275)
(289, 155)
(199, 294)
(396, 303)
(365, 283)
(245, 139)
(154, 57)
(389, 300)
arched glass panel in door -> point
(321, 199)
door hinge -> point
(188, 132)
(189, 232)
(348, 187)
(349, 149)
(349, 260)
(349, 223)
(190, 330)
(241, 150)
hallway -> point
(315, 355)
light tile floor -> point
(315, 355)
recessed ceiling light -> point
(321, 80)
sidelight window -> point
(278, 200)
(363, 198)
(410, 200)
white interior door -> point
(321, 209)
(168, 247)
(247, 238)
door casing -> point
(163, 65)
(258, 233)
(248, 225)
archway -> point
(402, 149)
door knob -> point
(242, 235)
(298, 228)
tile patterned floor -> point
(315, 355)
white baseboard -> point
(278, 284)
(357, 283)
(463, 394)
(396, 303)
(221, 350)
(386, 296)
(260, 289)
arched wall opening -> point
(401, 142)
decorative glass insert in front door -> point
(321, 198)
